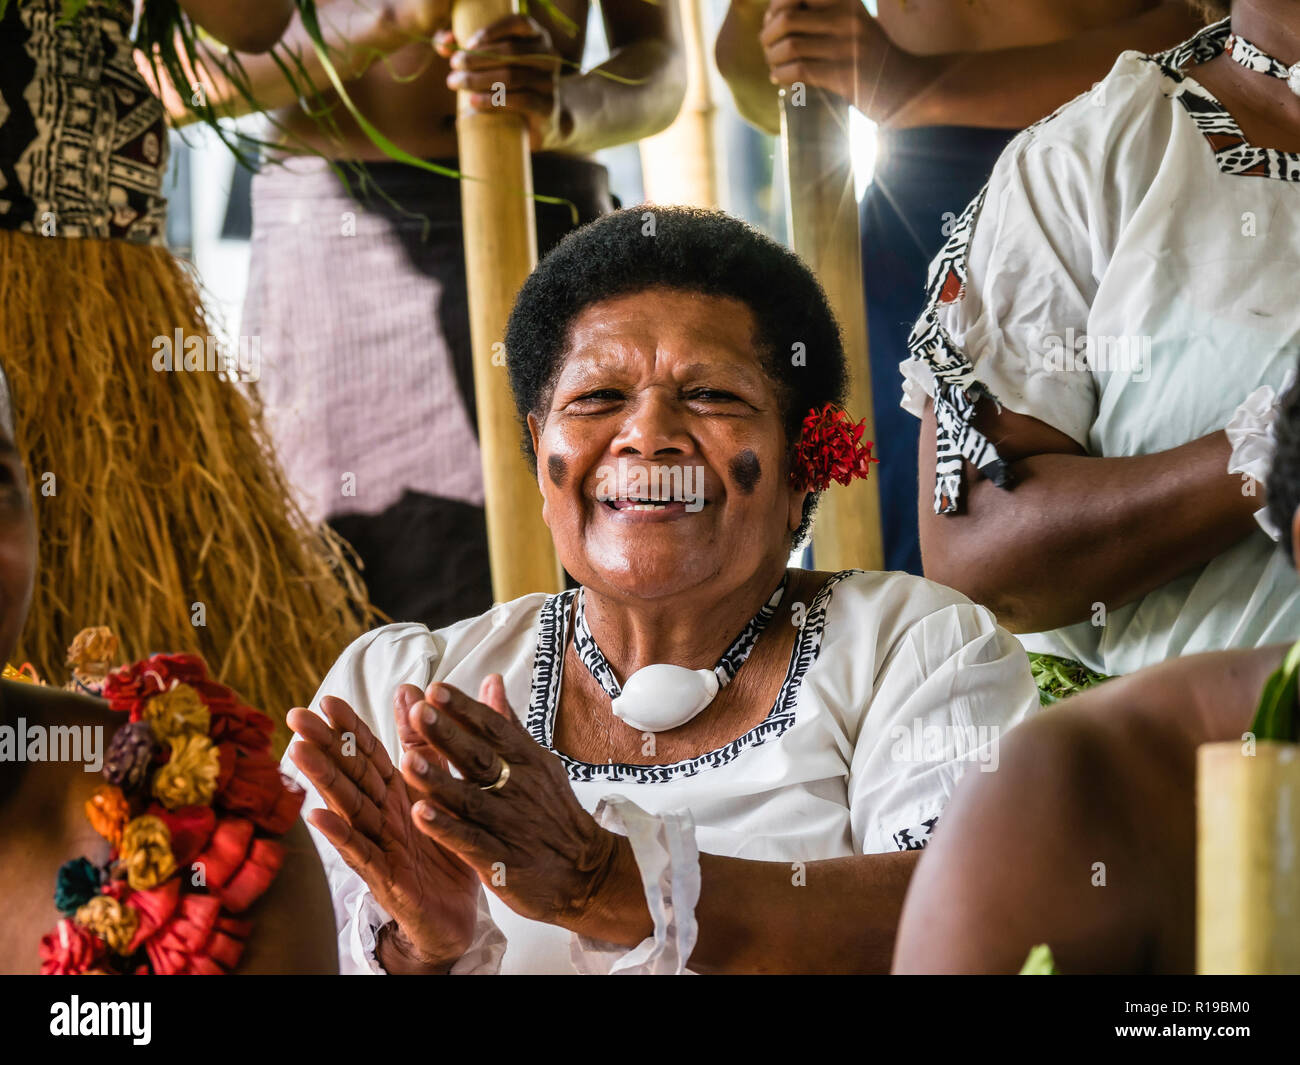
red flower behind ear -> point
(830, 448)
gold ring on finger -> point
(501, 779)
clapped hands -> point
(423, 837)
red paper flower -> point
(237, 867)
(233, 722)
(191, 827)
(127, 689)
(830, 448)
(251, 785)
(70, 950)
(197, 940)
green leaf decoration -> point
(1057, 677)
(1275, 717)
(307, 12)
(1040, 962)
(561, 20)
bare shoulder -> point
(1101, 785)
(293, 924)
(1198, 699)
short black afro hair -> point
(1284, 475)
(692, 250)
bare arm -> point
(355, 34)
(1012, 864)
(1084, 839)
(1014, 87)
(246, 25)
(836, 45)
(645, 49)
(755, 917)
(742, 65)
(1077, 530)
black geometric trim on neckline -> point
(548, 669)
(1233, 153)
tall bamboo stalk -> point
(1248, 859)
(680, 164)
(823, 219)
(500, 251)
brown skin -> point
(937, 62)
(42, 820)
(1112, 776)
(407, 89)
(245, 25)
(660, 377)
(1121, 527)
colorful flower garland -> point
(830, 448)
(192, 796)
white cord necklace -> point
(1256, 59)
(660, 697)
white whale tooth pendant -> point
(660, 697)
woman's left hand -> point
(511, 65)
(530, 841)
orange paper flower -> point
(108, 813)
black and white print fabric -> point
(1232, 152)
(83, 142)
(1256, 59)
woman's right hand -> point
(431, 894)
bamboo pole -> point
(680, 164)
(500, 251)
(823, 220)
(1248, 859)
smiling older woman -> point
(749, 832)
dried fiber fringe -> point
(165, 493)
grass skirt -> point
(160, 510)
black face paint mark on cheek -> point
(746, 471)
(558, 470)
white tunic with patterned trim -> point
(896, 687)
(1128, 276)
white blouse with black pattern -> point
(896, 686)
(1127, 276)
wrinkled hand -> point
(431, 894)
(510, 65)
(830, 44)
(530, 841)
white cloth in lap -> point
(885, 667)
(1139, 217)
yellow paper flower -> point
(177, 712)
(190, 777)
(93, 653)
(146, 852)
(25, 675)
(108, 812)
(112, 921)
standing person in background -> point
(949, 82)
(159, 509)
(1096, 371)
(359, 294)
